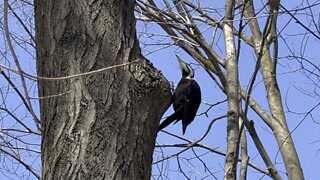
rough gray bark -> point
(104, 125)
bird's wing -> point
(185, 118)
(192, 103)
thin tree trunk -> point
(268, 67)
(103, 126)
(232, 90)
(279, 126)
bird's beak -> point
(182, 63)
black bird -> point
(186, 98)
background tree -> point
(260, 49)
(193, 26)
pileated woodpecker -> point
(186, 98)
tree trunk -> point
(278, 124)
(232, 90)
(102, 125)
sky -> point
(296, 87)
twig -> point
(23, 82)
(29, 168)
(195, 142)
(66, 77)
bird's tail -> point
(168, 121)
